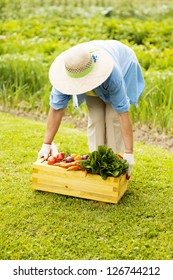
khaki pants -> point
(103, 126)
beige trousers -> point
(103, 126)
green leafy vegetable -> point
(105, 163)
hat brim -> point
(74, 86)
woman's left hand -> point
(130, 160)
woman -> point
(107, 74)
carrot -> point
(64, 164)
(56, 164)
(73, 168)
(67, 164)
(74, 165)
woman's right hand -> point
(47, 150)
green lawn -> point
(37, 225)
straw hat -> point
(80, 69)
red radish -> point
(61, 156)
(52, 160)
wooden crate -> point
(74, 183)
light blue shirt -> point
(123, 87)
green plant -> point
(104, 163)
(156, 104)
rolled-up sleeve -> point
(58, 100)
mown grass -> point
(38, 225)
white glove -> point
(54, 150)
(130, 161)
(48, 149)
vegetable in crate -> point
(104, 163)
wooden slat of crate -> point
(74, 183)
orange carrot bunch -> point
(70, 166)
